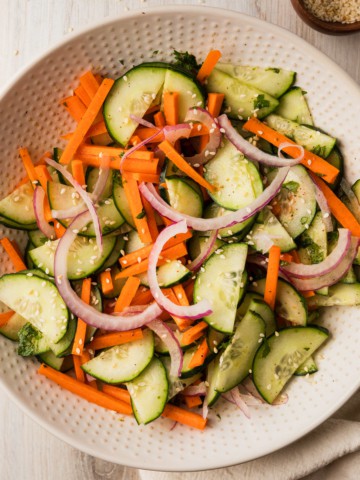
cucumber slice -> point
(60, 364)
(290, 304)
(276, 360)
(37, 238)
(18, 226)
(38, 301)
(221, 282)
(306, 368)
(240, 229)
(28, 262)
(131, 94)
(162, 349)
(215, 339)
(241, 100)
(349, 277)
(259, 306)
(341, 294)
(236, 360)
(237, 180)
(83, 258)
(169, 274)
(311, 139)
(313, 242)
(92, 175)
(61, 348)
(187, 371)
(122, 363)
(11, 328)
(198, 243)
(121, 201)
(18, 206)
(149, 392)
(184, 196)
(274, 81)
(212, 395)
(337, 160)
(293, 106)
(115, 254)
(176, 384)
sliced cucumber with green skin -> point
(176, 384)
(31, 341)
(169, 274)
(215, 339)
(341, 294)
(133, 242)
(186, 371)
(37, 238)
(115, 254)
(274, 81)
(60, 364)
(293, 106)
(122, 363)
(131, 94)
(61, 348)
(349, 277)
(121, 201)
(28, 262)
(313, 242)
(237, 179)
(18, 206)
(337, 160)
(213, 210)
(92, 176)
(220, 281)
(83, 258)
(12, 327)
(259, 306)
(241, 100)
(64, 197)
(297, 201)
(18, 226)
(212, 395)
(149, 392)
(277, 360)
(198, 244)
(290, 304)
(57, 152)
(38, 301)
(313, 140)
(267, 229)
(306, 368)
(236, 360)
(184, 197)
(161, 347)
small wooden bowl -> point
(331, 28)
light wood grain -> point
(28, 28)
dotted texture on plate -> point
(30, 116)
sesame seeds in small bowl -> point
(333, 17)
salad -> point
(182, 243)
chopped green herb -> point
(276, 70)
(122, 62)
(292, 186)
(261, 102)
(141, 215)
(187, 61)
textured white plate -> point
(30, 116)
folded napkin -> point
(309, 457)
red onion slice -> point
(202, 224)
(353, 201)
(166, 335)
(81, 309)
(198, 310)
(38, 202)
(85, 197)
(324, 207)
(300, 270)
(239, 402)
(137, 147)
(142, 122)
(200, 259)
(194, 390)
(254, 153)
(174, 132)
(203, 116)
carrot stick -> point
(101, 150)
(171, 107)
(107, 285)
(172, 253)
(117, 392)
(59, 229)
(214, 103)
(80, 334)
(179, 161)
(182, 299)
(150, 215)
(208, 66)
(144, 177)
(159, 119)
(193, 401)
(44, 177)
(338, 209)
(29, 166)
(79, 372)
(135, 140)
(272, 276)
(11, 249)
(75, 107)
(142, 253)
(97, 129)
(189, 289)
(89, 83)
(287, 257)
(200, 355)
(193, 333)
(311, 161)
(142, 297)
(85, 391)
(5, 317)
(116, 338)
(77, 168)
(142, 168)
(127, 294)
(86, 121)
(83, 95)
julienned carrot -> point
(159, 119)
(85, 391)
(82, 94)
(189, 289)
(194, 333)
(142, 253)
(97, 129)
(200, 355)
(80, 334)
(107, 285)
(44, 177)
(77, 168)
(143, 297)
(115, 338)
(100, 150)
(171, 107)
(59, 229)
(151, 219)
(172, 253)
(214, 103)
(79, 372)
(89, 83)
(29, 166)
(286, 257)
(338, 209)
(5, 317)
(135, 140)
(172, 412)
(75, 107)
(311, 161)
(272, 276)
(127, 293)
(208, 66)
(86, 121)
(198, 130)
(193, 401)
(182, 323)
(13, 254)
(182, 164)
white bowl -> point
(31, 116)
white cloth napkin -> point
(312, 458)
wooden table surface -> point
(28, 28)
